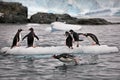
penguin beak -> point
(64, 34)
(52, 57)
(22, 30)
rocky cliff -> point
(13, 12)
(47, 18)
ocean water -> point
(39, 67)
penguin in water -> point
(66, 58)
(16, 38)
(30, 37)
(69, 40)
(94, 37)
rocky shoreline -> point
(12, 12)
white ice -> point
(61, 26)
(91, 49)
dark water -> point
(36, 67)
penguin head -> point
(31, 29)
(85, 34)
(66, 33)
(55, 56)
(19, 30)
(71, 31)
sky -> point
(73, 7)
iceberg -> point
(61, 26)
(90, 49)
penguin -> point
(75, 37)
(69, 40)
(16, 38)
(30, 37)
(94, 37)
(66, 58)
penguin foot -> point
(34, 46)
(18, 46)
(77, 45)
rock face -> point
(93, 21)
(13, 12)
(47, 18)
(42, 18)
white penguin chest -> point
(20, 38)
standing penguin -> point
(16, 38)
(69, 40)
(75, 37)
(30, 37)
(94, 38)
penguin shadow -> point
(65, 68)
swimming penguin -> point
(69, 40)
(16, 38)
(30, 37)
(66, 58)
(94, 38)
(75, 37)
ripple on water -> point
(14, 67)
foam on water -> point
(60, 49)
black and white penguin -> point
(69, 40)
(66, 58)
(30, 37)
(75, 37)
(93, 37)
(16, 39)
